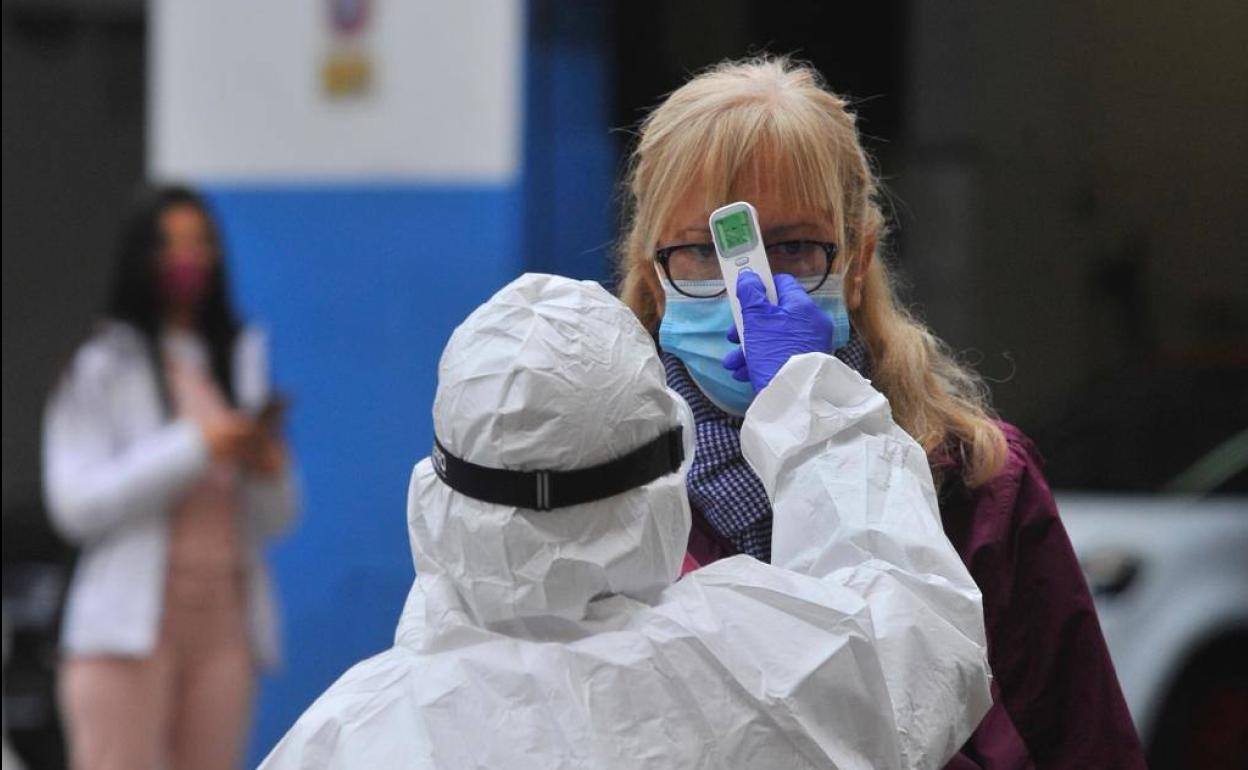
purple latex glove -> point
(775, 333)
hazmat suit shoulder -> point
(560, 639)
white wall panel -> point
(236, 93)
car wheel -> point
(1204, 722)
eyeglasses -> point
(693, 268)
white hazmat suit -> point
(563, 639)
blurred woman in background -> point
(163, 462)
(769, 132)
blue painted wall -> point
(570, 153)
(359, 289)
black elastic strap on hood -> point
(545, 490)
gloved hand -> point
(775, 333)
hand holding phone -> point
(266, 454)
(271, 417)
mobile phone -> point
(739, 245)
(273, 412)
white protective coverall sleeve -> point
(864, 639)
(854, 505)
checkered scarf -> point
(722, 487)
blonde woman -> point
(768, 131)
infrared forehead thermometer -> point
(739, 244)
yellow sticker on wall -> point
(347, 68)
(348, 73)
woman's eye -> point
(701, 252)
(792, 248)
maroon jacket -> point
(1056, 700)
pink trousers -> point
(187, 706)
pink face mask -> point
(184, 283)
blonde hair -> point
(770, 115)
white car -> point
(1170, 576)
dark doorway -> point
(74, 94)
(857, 47)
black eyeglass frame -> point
(664, 255)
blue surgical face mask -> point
(694, 330)
(830, 298)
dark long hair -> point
(135, 298)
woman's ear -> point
(858, 273)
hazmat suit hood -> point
(549, 374)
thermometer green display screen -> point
(734, 230)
